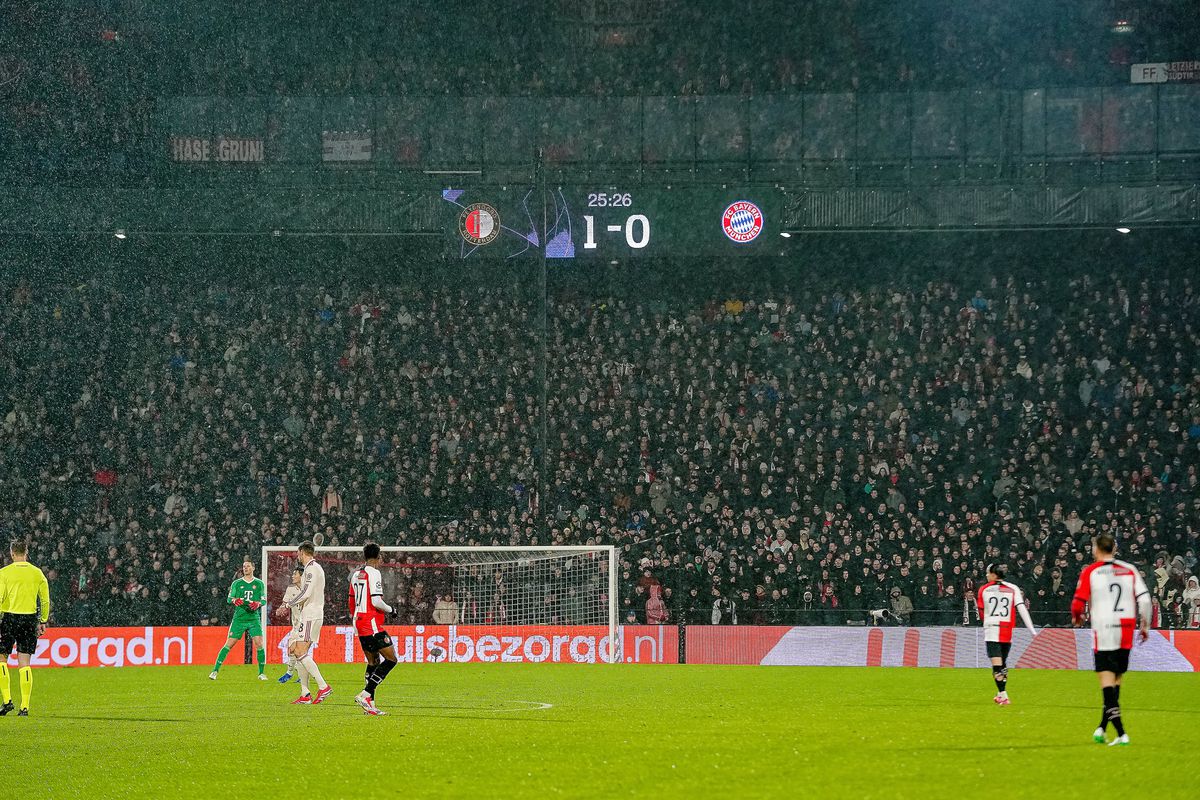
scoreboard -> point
(613, 223)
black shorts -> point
(375, 642)
(999, 650)
(1115, 661)
(20, 630)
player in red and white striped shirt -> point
(1115, 596)
(368, 607)
(998, 603)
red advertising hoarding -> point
(530, 644)
(1052, 648)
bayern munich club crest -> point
(479, 224)
(742, 221)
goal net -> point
(460, 604)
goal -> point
(456, 604)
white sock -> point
(291, 665)
(303, 674)
(310, 666)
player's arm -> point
(1083, 595)
(43, 594)
(979, 604)
(1142, 593)
(376, 589)
(1023, 610)
(284, 608)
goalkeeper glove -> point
(255, 605)
(239, 602)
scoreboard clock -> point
(616, 219)
(612, 223)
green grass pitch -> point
(598, 731)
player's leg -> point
(298, 647)
(996, 654)
(285, 650)
(1112, 706)
(384, 655)
(26, 673)
(1112, 697)
(310, 666)
(6, 705)
(387, 660)
(372, 662)
(260, 652)
(7, 643)
(367, 642)
(1108, 670)
(312, 635)
(230, 641)
(1000, 672)
(289, 673)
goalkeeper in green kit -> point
(247, 595)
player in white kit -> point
(998, 603)
(1115, 597)
(284, 610)
(311, 602)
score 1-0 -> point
(636, 228)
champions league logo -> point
(742, 221)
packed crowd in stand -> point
(810, 456)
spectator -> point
(445, 611)
(1191, 603)
(656, 609)
(901, 607)
(717, 458)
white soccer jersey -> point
(289, 595)
(1116, 596)
(366, 582)
(999, 604)
(311, 599)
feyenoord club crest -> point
(742, 221)
(479, 224)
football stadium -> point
(600, 398)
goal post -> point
(455, 604)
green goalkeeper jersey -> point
(247, 590)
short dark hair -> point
(18, 547)
(370, 551)
(1105, 542)
(297, 568)
(999, 570)
(308, 548)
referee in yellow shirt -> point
(25, 606)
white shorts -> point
(309, 630)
